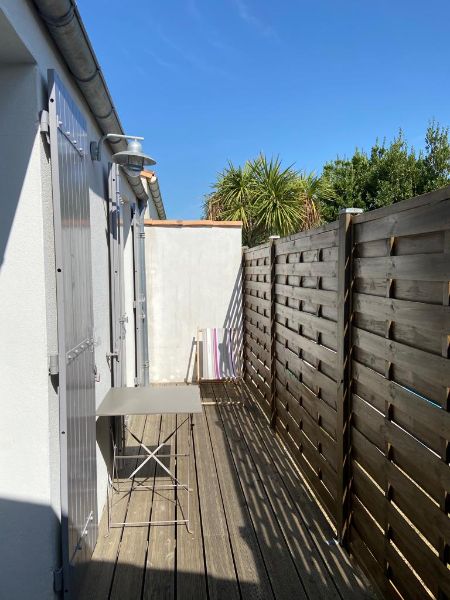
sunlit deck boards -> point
(257, 533)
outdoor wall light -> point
(132, 159)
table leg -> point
(190, 425)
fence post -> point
(243, 290)
(272, 261)
(343, 370)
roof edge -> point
(199, 223)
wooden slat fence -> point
(400, 401)
(347, 331)
(306, 354)
(257, 322)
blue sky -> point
(205, 81)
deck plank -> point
(100, 571)
(159, 583)
(313, 573)
(221, 574)
(348, 579)
(191, 577)
(284, 577)
(251, 570)
(128, 576)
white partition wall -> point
(193, 281)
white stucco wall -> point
(29, 428)
(29, 507)
(193, 281)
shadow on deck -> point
(257, 532)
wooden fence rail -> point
(346, 349)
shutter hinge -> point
(58, 580)
(44, 124)
(53, 364)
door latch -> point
(110, 356)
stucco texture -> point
(193, 281)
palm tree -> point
(260, 194)
(231, 200)
(311, 192)
(268, 199)
(275, 196)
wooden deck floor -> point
(257, 532)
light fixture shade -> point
(133, 159)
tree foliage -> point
(388, 173)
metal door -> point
(69, 152)
(116, 242)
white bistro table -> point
(182, 399)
